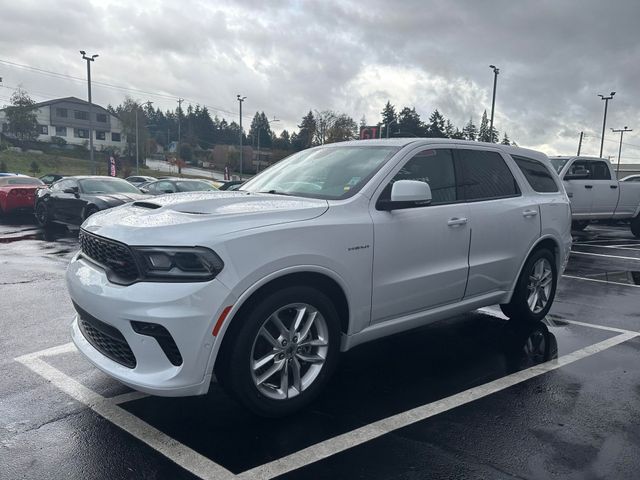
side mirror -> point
(577, 174)
(407, 194)
(73, 190)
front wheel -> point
(42, 214)
(635, 226)
(283, 352)
(535, 289)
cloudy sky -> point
(288, 57)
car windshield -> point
(107, 185)
(558, 163)
(20, 181)
(194, 186)
(330, 173)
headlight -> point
(178, 263)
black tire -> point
(90, 210)
(42, 214)
(579, 225)
(518, 308)
(234, 366)
(635, 226)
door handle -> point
(613, 186)
(588, 186)
(529, 213)
(455, 221)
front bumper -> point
(188, 311)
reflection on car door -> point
(580, 190)
(504, 223)
(605, 190)
(420, 254)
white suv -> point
(331, 247)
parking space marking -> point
(179, 453)
(205, 468)
(604, 255)
(374, 430)
(625, 246)
(600, 281)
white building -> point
(68, 118)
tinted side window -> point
(600, 171)
(485, 175)
(537, 174)
(434, 167)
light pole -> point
(180, 100)
(496, 71)
(622, 132)
(240, 100)
(90, 59)
(259, 129)
(604, 120)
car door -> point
(605, 191)
(165, 186)
(420, 253)
(579, 190)
(504, 221)
(63, 201)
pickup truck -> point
(596, 194)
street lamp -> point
(90, 59)
(604, 120)
(395, 120)
(622, 131)
(269, 122)
(496, 71)
(240, 100)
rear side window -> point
(600, 171)
(537, 174)
(485, 176)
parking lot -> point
(471, 397)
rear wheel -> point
(635, 226)
(283, 352)
(535, 289)
(42, 214)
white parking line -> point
(600, 281)
(624, 246)
(604, 255)
(374, 430)
(205, 468)
(179, 453)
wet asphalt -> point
(580, 421)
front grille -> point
(106, 339)
(114, 256)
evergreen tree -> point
(505, 139)
(449, 129)
(436, 126)
(458, 134)
(470, 131)
(483, 134)
(389, 118)
(283, 142)
(409, 123)
(304, 138)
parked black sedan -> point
(74, 199)
(174, 185)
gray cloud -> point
(291, 56)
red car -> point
(18, 193)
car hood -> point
(191, 218)
(115, 199)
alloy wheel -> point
(539, 285)
(289, 351)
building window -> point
(115, 137)
(43, 129)
(80, 115)
(101, 135)
(101, 117)
(81, 133)
(61, 112)
(61, 131)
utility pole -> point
(240, 100)
(180, 100)
(496, 71)
(137, 148)
(90, 59)
(622, 132)
(580, 142)
(604, 120)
